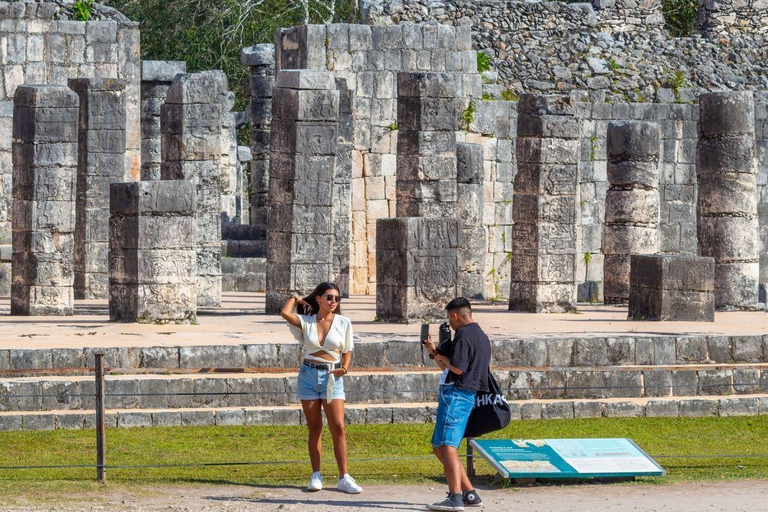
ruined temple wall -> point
(368, 58)
(677, 187)
(41, 45)
(719, 17)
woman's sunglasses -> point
(332, 298)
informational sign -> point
(567, 458)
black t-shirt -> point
(472, 355)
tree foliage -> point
(209, 34)
(680, 16)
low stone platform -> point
(238, 367)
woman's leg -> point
(334, 411)
(314, 415)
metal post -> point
(470, 458)
(101, 472)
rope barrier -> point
(364, 459)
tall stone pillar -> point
(301, 176)
(469, 210)
(101, 150)
(727, 204)
(426, 144)
(261, 59)
(631, 203)
(43, 217)
(191, 124)
(417, 261)
(342, 191)
(156, 78)
(152, 252)
(543, 275)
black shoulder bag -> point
(491, 411)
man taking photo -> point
(467, 374)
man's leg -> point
(455, 474)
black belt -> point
(328, 367)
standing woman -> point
(326, 338)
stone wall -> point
(43, 44)
(619, 48)
(719, 17)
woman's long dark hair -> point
(311, 299)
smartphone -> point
(424, 333)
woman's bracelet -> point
(345, 370)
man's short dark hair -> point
(459, 303)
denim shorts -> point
(312, 385)
(453, 408)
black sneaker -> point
(452, 502)
(471, 499)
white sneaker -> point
(315, 482)
(348, 485)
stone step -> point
(398, 350)
(421, 412)
(148, 391)
(243, 274)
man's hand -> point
(429, 345)
(443, 359)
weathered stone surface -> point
(44, 176)
(303, 149)
(678, 288)
(631, 205)
(192, 120)
(152, 252)
(726, 170)
(102, 137)
(418, 267)
(544, 209)
(469, 210)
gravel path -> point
(739, 496)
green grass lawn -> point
(193, 445)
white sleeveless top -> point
(338, 340)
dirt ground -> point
(737, 496)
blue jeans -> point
(453, 408)
(312, 385)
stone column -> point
(631, 203)
(191, 147)
(727, 204)
(418, 268)
(543, 275)
(156, 78)
(342, 191)
(101, 151)
(229, 213)
(261, 59)
(301, 176)
(43, 217)
(469, 210)
(426, 144)
(152, 252)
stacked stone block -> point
(342, 191)
(727, 204)
(544, 207)
(426, 144)
(469, 210)
(44, 175)
(191, 126)
(302, 163)
(153, 252)
(418, 268)
(101, 153)
(369, 58)
(229, 165)
(632, 202)
(674, 288)
(42, 46)
(156, 78)
(261, 59)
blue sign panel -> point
(566, 458)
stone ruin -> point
(382, 159)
